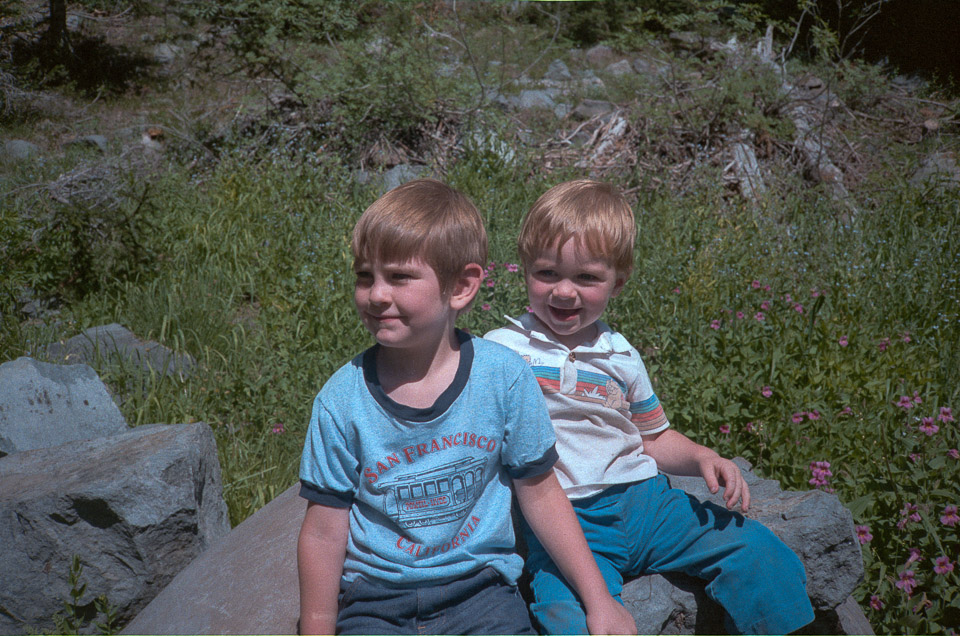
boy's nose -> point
(379, 293)
(564, 289)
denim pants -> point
(479, 603)
(649, 528)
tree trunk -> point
(56, 35)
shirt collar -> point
(607, 340)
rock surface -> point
(44, 405)
(116, 341)
(245, 584)
(136, 507)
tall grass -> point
(824, 352)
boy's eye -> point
(400, 276)
(590, 278)
(545, 273)
(363, 277)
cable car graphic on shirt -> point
(432, 497)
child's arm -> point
(549, 513)
(321, 549)
(678, 454)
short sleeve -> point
(529, 445)
(329, 470)
(646, 412)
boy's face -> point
(401, 303)
(569, 289)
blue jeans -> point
(649, 528)
(479, 603)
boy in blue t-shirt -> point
(416, 446)
(576, 245)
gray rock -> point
(940, 168)
(44, 405)
(589, 108)
(398, 175)
(136, 507)
(91, 141)
(245, 584)
(558, 72)
(600, 55)
(114, 341)
(536, 99)
(619, 68)
(165, 53)
(18, 150)
(814, 524)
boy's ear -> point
(620, 281)
(466, 287)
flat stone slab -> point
(116, 341)
(44, 405)
(136, 507)
(245, 584)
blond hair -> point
(593, 212)
(422, 219)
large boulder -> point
(246, 584)
(43, 405)
(136, 507)
(814, 524)
(115, 341)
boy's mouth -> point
(564, 314)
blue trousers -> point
(649, 528)
(479, 603)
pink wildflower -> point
(927, 427)
(788, 298)
(749, 427)
(905, 336)
(863, 534)
(676, 290)
(905, 402)
(798, 308)
(846, 411)
(907, 514)
(876, 603)
(485, 306)
(796, 418)
(766, 391)
(915, 556)
(949, 516)
(277, 429)
(759, 317)
(943, 565)
(765, 305)
(725, 429)
(914, 458)
(739, 315)
(491, 283)
(954, 453)
(714, 324)
(946, 414)
(821, 475)
(755, 284)
(529, 309)
(766, 288)
(883, 344)
(843, 341)
(512, 267)
(907, 582)
(813, 415)
(916, 398)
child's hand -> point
(717, 472)
(610, 618)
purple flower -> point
(714, 324)
(954, 453)
(876, 603)
(846, 411)
(927, 427)
(915, 556)
(905, 336)
(766, 391)
(485, 306)
(759, 317)
(883, 344)
(907, 582)
(512, 267)
(821, 475)
(863, 534)
(843, 341)
(766, 288)
(916, 397)
(765, 305)
(529, 309)
(949, 516)
(914, 457)
(943, 565)
(788, 298)
(277, 429)
(908, 514)
(815, 292)
(905, 402)
(946, 414)
(749, 427)
(491, 283)
(739, 315)
(813, 415)
(676, 290)
(796, 418)
(755, 284)
(798, 308)
(725, 429)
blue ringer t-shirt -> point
(428, 489)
